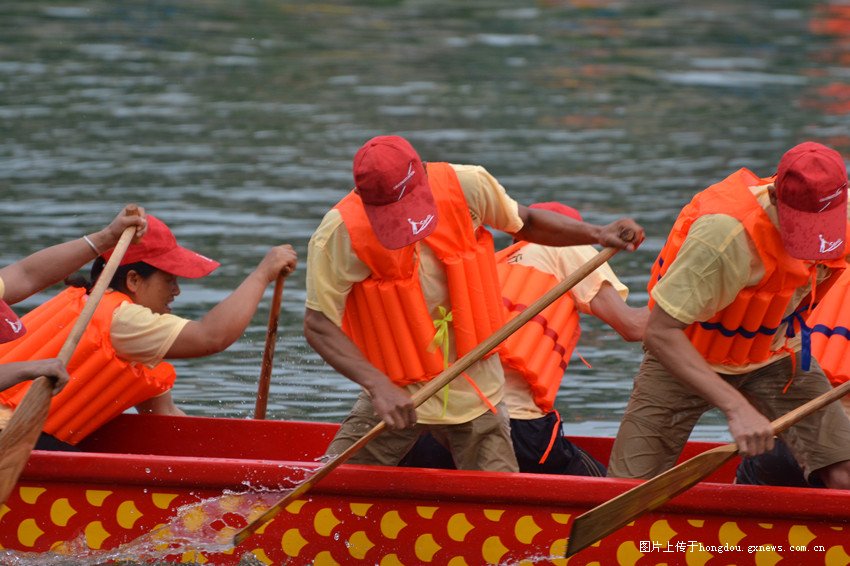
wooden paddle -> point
(268, 352)
(604, 519)
(435, 385)
(20, 435)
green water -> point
(236, 122)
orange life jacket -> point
(386, 316)
(102, 386)
(830, 324)
(540, 350)
(742, 333)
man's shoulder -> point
(714, 236)
(328, 228)
(716, 224)
(468, 174)
(467, 168)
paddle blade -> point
(22, 432)
(307, 484)
(604, 519)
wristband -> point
(91, 245)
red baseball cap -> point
(811, 195)
(160, 249)
(11, 327)
(559, 208)
(391, 182)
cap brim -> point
(813, 235)
(405, 221)
(183, 262)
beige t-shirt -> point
(717, 260)
(560, 262)
(332, 269)
(140, 335)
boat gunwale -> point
(491, 489)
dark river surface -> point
(235, 121)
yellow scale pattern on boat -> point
(392, 524)
(526, 529)
(441, 527)
(836, 556)
(61, 512)
(426, 546)
(163, 500)
(458, 527)
(359, 545)
(494, 550)
(95, 535)
(128, 514)
(292, 542)
(28, 532)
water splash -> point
(197, 532)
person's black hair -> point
(119, 280)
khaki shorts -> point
(662, 412)
(483, 443)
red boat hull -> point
(151, 488)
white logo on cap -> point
(827, 246)
(403, 183)
(15, 325)
(828, 198)
(417, 227)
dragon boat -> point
(176, 489)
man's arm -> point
(50, 265)
(392, 403)
(16, 372)
(226, 322)
(552, 229)
(666, 340)
(609, 307)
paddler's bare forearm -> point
(552, 229)
(13, 373)
(339, 351)
(50, 265)
(226, 322)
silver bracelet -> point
(91, 245)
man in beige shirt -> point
(536, 427)
(738, 272)
(392, 186)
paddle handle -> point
(268, 351)
(791, 418)
(96, 294)
(433, 386)
(21, 433)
